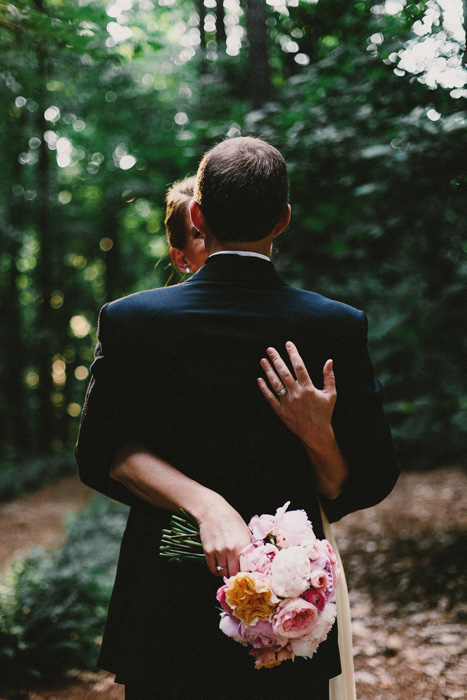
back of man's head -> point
(242, 189)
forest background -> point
(102, 106)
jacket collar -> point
(232, 269)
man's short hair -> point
(242, 189)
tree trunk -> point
(260, 75)
(202, 16)
(44, 269)
(13, 421)
(220, 24)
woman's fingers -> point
(275, 380)
(268, 395)
(298, 365)
(224, 534)
(280, 371)
(329, 380)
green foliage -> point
(53, 604)
(96, 124)
(24, 475)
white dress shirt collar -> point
(241, 252)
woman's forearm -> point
(329, 465)
(223, 531)
(157, 482)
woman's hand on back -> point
(304, 409)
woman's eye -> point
(196, 234)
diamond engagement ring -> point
(219, 567)
(281, 393)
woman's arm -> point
(223, 531)
(307, 412)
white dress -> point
(341, 687)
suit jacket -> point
(176, 370)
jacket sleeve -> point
(102, 431)
(360, 428)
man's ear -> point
(179, 260)
(197, 217)
(283, 221)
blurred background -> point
(104, 104)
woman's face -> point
(193, 251)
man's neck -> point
(262, 247)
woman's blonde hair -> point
(177, 200)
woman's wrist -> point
(203, 502)
(321, 441)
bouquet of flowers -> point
(281, 603)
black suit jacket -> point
(176, 370)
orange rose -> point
(249, 598)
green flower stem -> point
(181, 541)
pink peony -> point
(290, 572)
(259, 635)
(258, 557)
(292, 528)
(327, 619)
(261, 526)
(312, 549)
(231, 628)
(315, 597)
(305, 646)
(294, 618)
(328, 550)
(325, 622)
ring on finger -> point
(282, 392)
(219, 567)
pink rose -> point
(257, 557)
(220, 595)
(294, 618)
(319, 579)
(290, 572)
(315, 597)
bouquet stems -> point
(182, 541)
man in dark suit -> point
(176, 375)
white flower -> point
(290, 572)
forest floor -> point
(405, 566)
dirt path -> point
(39, 517)
(405, 565)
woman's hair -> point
(242, 189)
(177, 200)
